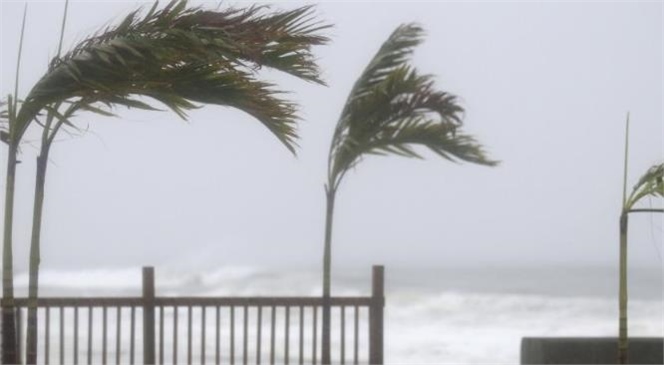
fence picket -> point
(313, 355)
(202, 335)
(47, 337)
(118, 334)
(286, 335)
(259, 326)
(245, 336)
(132, 334)
(217, 355)
(75, 335)
(189, 310)
(175, 335)
(103, 336)
(301, 335)
(161, 335)
(90, 312)
(272, 328)
(232, 349)
(62, 335)
(356, 337)
(343, 335)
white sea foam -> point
(466, 320)
(487, 328)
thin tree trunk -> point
(623, 343)
(327, 263)
(35, 256)
(9, 344)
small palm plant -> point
(178, 56)
(651, 184)
(390, 110)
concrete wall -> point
(589, 350)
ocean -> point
(432, 315)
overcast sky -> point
(546, 87)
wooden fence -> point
(153, 323)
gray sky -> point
(546, 87)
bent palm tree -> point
(178, 56)
(391, 110)
(650, 184)
(8, 114)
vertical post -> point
(623, 340)
(376, 315)
(327, 277)
(148, 316)
(75, 335)
(19, 334)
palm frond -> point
(5, 117)
(392, 109)
(4, 111)
(393, 54)
(4, 122)
(180, 56)
(650, 184)
(280, 40)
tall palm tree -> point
(391, 109)
(7, 115)
(651, 184)
(178, 56)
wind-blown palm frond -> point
(179, 56)
(650, 184)
(4, 111)
(392, 108)
(6, 106)
(280, 40)
(4, 121)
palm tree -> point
(178, 56)
(7, 115)
(650, 184)
(390, 110)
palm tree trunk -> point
(9, 344)
(327, 263)
(35, 258)
(623, 342)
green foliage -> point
(4, 121)
(181, 56)
(6, 116)
(4, 113)
(392, 109)
(650, 184)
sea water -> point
(432, 315)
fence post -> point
(376, 315)
(19, 335)
(148, 316)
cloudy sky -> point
(546, 87)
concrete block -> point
(589, 350)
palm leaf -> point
(4, 121)
(4, 111)
(392, 109)
(180, 56)
(650, 184)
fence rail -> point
(194, 301)
(204, 329)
